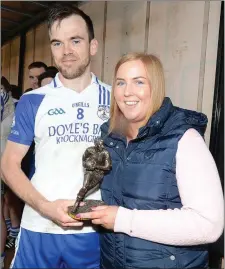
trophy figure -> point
(96, 162)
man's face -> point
(70, 46)
(33, 76)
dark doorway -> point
(217, 134)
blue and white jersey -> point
(63, 123)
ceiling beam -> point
(39, 4)
(10, 21)
(28, 24)
(5, 30)
(25, 26)
(16, 11)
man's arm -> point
(21, 185)
(16, 179)
(19, 140)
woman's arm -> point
(200, 220)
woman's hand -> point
(102, 215)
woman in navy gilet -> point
(164, 197)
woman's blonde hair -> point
(155, 76)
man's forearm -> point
(21, 185)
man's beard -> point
(74, 71)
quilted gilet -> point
(143, 177)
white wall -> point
(183, 34)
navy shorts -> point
(44, 250)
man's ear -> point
(93, 47)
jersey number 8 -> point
(80, 113)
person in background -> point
(45, 78)
(16, 93)
(164, 197)
(4, 99)
(10, 209)
(35, 69)
(11, 203)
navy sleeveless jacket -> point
(143, 177)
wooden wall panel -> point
(10, 60)
(96, 11)
(5, 60)
(210, 63)
(125, 32)
(37, 49)
(14, 61)
(29, 57)
(42, 51)
(184, 34)
(175, 35)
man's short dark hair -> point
(58, 12)
(47, 74)
(16, 91)
(6, 84)
(37, 65)
(52, 68)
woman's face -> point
(132, 92)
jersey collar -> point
(56, 82)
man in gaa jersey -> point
(62, 118)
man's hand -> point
(102, 215)
(57, 211)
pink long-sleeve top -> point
(201, 218)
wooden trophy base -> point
(85, 208)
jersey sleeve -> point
(22, 129)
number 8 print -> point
(80, 113)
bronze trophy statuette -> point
(96, 162)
